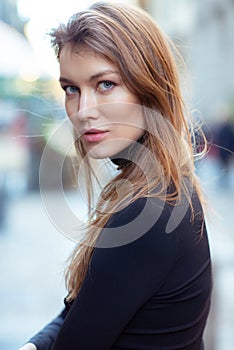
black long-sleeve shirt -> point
(149, 291)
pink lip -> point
(94, 135)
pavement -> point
(33, 256)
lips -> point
(94, 135)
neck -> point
(124, 158)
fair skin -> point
(105, 114)
(28, 346)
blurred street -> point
(33, 255)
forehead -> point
(82, 64)
(72, 48)
(83, 54)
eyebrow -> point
(92, 78)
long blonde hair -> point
(145, 57)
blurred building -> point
(205, 31)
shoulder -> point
(148, 217)
(151, 211)
(137, 239)
(131, 223)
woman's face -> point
(105, 114)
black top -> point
(150, 293)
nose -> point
(87, 106)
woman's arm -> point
(44, 339)
(28, 346)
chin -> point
(103, 151)
(102, 154)
(99, 153)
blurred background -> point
(32, 251)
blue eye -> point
(105, 85)
(71, 90)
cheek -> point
(71, 111)
(134, 116)
(71, 108)
(68, 108)
(132, 133)
(135, 123)
(130, 120)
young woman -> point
(141, 278)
